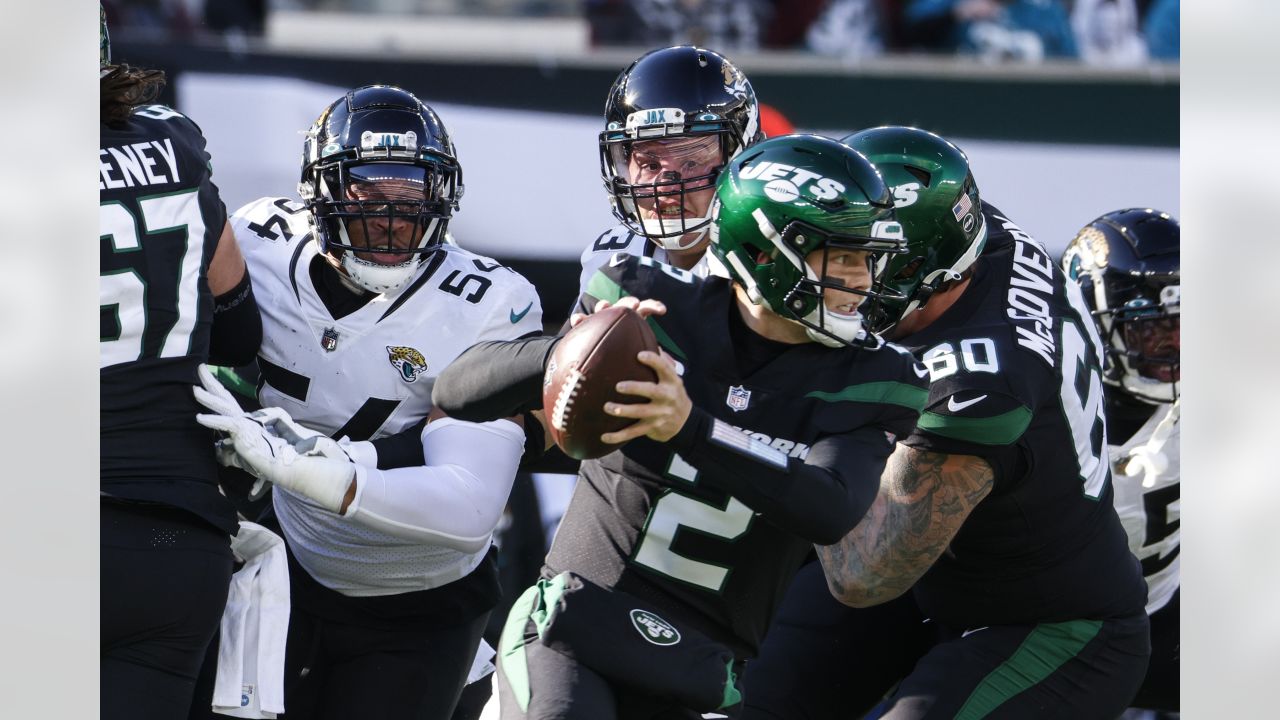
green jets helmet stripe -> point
(603, 287)
(893, 393)
(1001, 429)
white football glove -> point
(304, 440)
(214, 395)
(322, 473)
(322, 479)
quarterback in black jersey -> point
(997, 508)
(767, 431)
(174, 293)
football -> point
(582, 372)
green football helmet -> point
(938, 205)
(783, 198)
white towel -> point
(255, 625)
(483, 664)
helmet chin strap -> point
(375, 277)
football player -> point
(1128, 269)
(770, 422)
(174, 293)
(673, 119)
(392, 570)
(997, 507)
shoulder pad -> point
(270, 220)
(637, 276)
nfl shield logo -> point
(738, 398)
(329, 340)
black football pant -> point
(1161, 689)
(584, 652)
(822, 660)
(1077, 670)
(165, 575)
(339, 670)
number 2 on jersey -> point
(672, 513)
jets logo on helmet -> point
(785, 182)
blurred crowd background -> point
(1066, 108)
(1100, 32)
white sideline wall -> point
(533, 186)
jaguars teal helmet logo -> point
(784, 198)
(938, 205)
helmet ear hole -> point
(919, 173)
(761, 257)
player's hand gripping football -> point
(251, 446)
(669, 404)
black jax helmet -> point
(938, 205)
(1127, 266)
(375, 159)
(703, 106)
(788, 196)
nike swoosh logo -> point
(954, 406)
(518, 316)
(967, 633)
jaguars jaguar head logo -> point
(408, 362)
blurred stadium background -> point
(1067, 108)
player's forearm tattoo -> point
(923, 500)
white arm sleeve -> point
(457, 499)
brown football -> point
(580, 377)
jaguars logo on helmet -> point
(1127, 264)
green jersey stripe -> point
(999, 430)
(893, 393)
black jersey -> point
(160, 220)
(646, 521)
(1014, 379)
